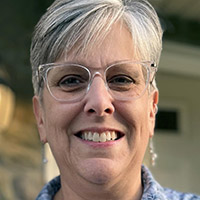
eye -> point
(72, 82)
(121, 80)
(121, 83)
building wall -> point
(178, 80)
(178, 161)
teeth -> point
(103, 137)
(90, 137)
(85, 136)
(108, 136)
(96, 137)
(114, 135)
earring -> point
(156, 109)
(44, 159)
(152, 153)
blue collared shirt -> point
(152, 190)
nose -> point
(99, 102)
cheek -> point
(61, 114)
(134, 113)
(58, 125)
(58, 119)
(57, 114)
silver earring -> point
(44, 159)
(152, 153)
(156, 108)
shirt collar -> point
(151, 189)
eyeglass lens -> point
(71, 82)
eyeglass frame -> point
(42, 70)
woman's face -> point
(58, 122)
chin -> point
(99, 171)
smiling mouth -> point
(99, 137)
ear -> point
(39, 115)
(153, 108)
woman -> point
(95, 102)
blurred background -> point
(177, 137)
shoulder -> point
(50, 189)
(154, 191)
(174, 195)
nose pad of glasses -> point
(92, 78)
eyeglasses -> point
(69, 82)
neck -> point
(124, 188)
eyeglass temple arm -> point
(39, 76)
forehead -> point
(116, 46)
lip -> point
(100, 130)
(100, 144)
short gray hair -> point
(86, 22)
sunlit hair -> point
(83, 24)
